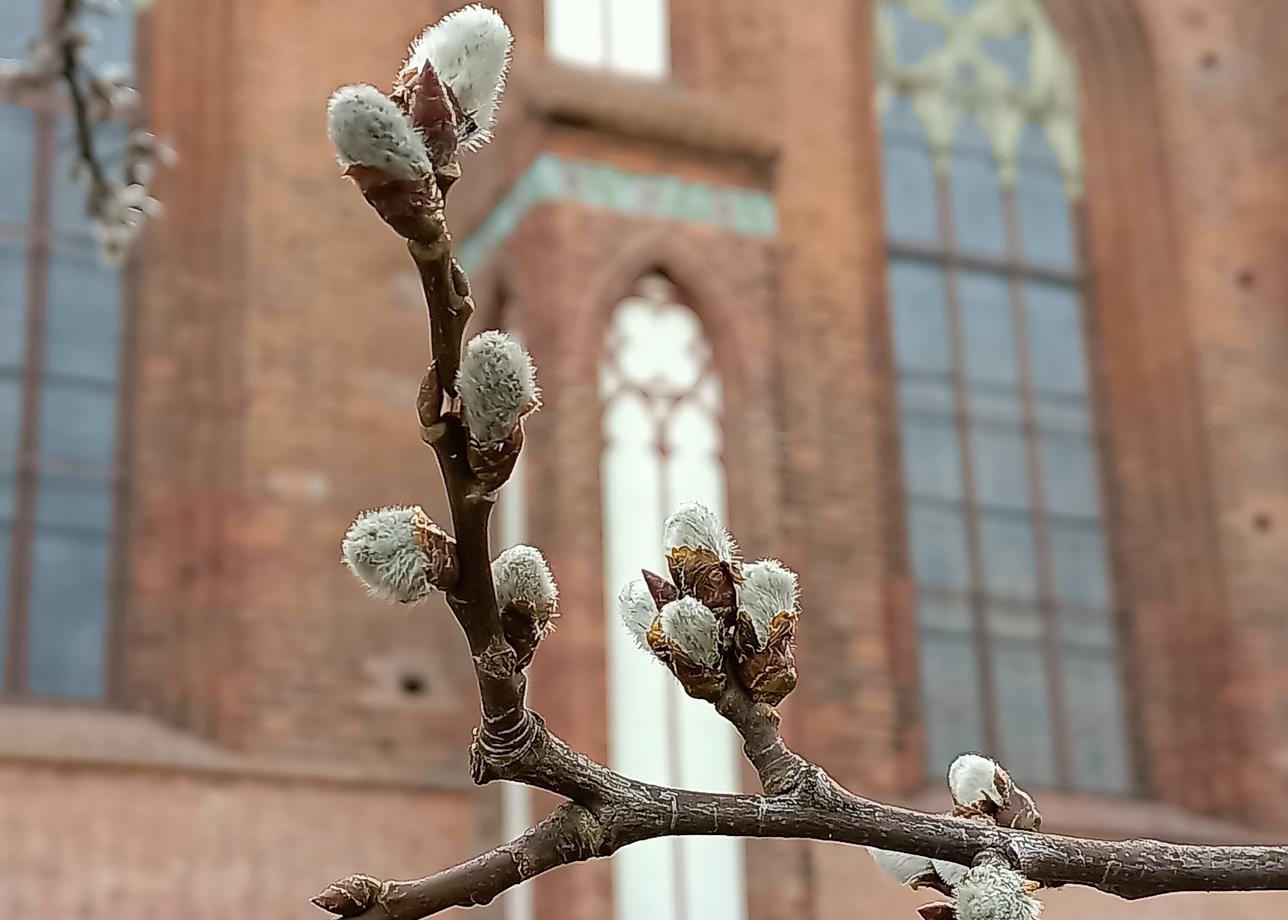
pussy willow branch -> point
(607, 811)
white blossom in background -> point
(497, 385)
(143, 152)
(368, 129)
(380, 548)
(974, 779)
(991, 891)
(470, 51)
(636, 608)
(695, 526)
(768, 588)
(521, 575)
(119, 212)
(112, 94)
(692, 626)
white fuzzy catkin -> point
(496, 383)
(692, 626)
(694, 525)
(368, 129)
(768, 588)
(972, 780)
(995, 892)
(904, 868)
(380, 548)
(521, 575)
(636, 608)
(470, 51)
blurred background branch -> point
(118, 205)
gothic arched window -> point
(982, 178)
(662, 441)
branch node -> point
(495, 748)
(498, 660)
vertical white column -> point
(662, 447)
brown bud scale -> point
(698, 681)
(439, 549)
(770, 675)
(412, 207)
(493, 462)
(434, 112)
(662, 591)
(698, 572)
(524, 627)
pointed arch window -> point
(982, 178)
(662, 446)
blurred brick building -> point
(973, 311)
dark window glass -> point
(931, 456)
(1024, 714)
(1000, 457)
(67, 630)
(20, 21)
(1006, 540)
(77, 424)
(920, 316)
(1078, 562)
(13, 307)
(952, 711)
(939, 544)
(1069, 471)
(977, 198)
(74, 502)
(83, 315)
(908, 177)
(1055, 337)
(113, 41)
(1096, 721)
(16, 153)
(988, 327)
(1046, 225)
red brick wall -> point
(1224, 83)
(108, 843)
